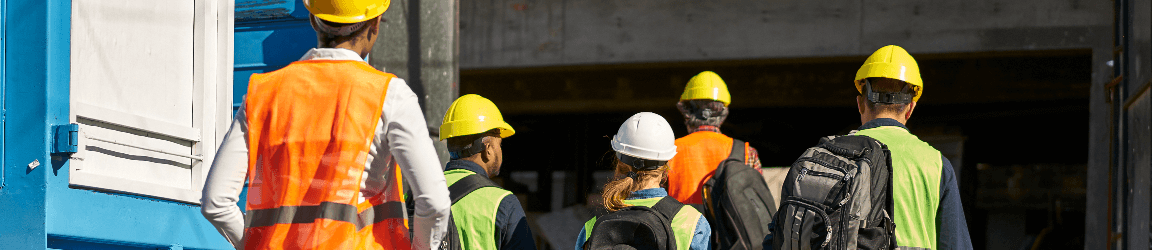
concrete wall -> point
(518, 33)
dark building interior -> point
(1014, 125)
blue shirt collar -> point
(881, 122)
(466, 165)
(648, 193)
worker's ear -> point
(489, 153)
(908, 111)
(860, 104)
(374, 25)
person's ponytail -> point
(628, 180)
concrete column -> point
(420, 43)
(1096, 220)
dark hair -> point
(888, 85)
(329, 40)
(617, 190)
(466, 145)
(702, 112)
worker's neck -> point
(865, 118)
(476, 158)
(354, 47)
(650, 183)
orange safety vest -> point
(309, 129)
(697, 156)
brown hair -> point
(617, 190)
(327, 40)
(702, 112)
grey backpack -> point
(838, 195)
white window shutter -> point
(147, 82)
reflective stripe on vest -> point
(326, 210)
(697, 156)
(683, 225)
(916, 170)
(310, 126)
(475, 213)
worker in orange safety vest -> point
(704, 105)
(323, 144)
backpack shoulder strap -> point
(737, 150)
(466, 185)
(668, 207)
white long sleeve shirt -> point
(401, 136)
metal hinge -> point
(66, 138)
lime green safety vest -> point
(916, 169)
(683, 225)
(475, 214)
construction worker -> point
(486, 216)
(324, 143)
(704, 106)
(927, 209)
(643, 145)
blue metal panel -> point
(68, 243)
(37, 207)
(3, 117)
(269, 35)
(22, 206)
(76, 218)
(93, 216)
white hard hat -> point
(647, 136)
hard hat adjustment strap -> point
(341, 31)
(886, 97)
(639, 163)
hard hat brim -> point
(369, 13)
(643, 153)
(714, 94)
(463, 128)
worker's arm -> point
(226, 180)
(702, 237)
(512, 227)
(410, 145)
(581, 238)
(753, 157)
(951, 227)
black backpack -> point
(636, 228)
(737, 203)
(457, 191)
(838, 195)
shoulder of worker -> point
(399, 95)
(509, 214)
(398, 87)
(947, 177)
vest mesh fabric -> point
(697, 156)
(310, 125)
(916, 170)
(475, 214)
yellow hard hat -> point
(891, 62)
(346, 11)
(707, 85)
(473, 114)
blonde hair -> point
(619, 189)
